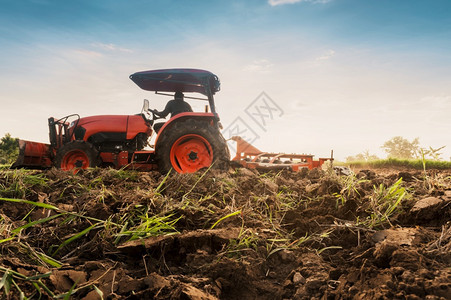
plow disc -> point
(250, 157)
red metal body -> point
(251, 157)
(33, 155)
(40, 155)
(138, 160)
(129, 125)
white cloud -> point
(111, 47)
(327, 55)
(282, 2)
(81, 53)
(260, 66)
(439, 101)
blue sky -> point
(348, 74)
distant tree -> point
(399, 147)
(9, 149)
(364, 156)
(431, 153)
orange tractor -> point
(187, 142)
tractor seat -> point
(157, 126)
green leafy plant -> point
(19, 183)
(225, 217)
(247, 241)
(149, 226)
(384, 202)
(10, 279)
(349, 189)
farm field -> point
(241, 234)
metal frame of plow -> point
(251, 157)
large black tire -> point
(77, 155)
(198, 144)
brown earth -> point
(226, 235)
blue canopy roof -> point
(173, 80)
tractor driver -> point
(176, 106)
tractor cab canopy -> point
(173, 80)
(183, 80)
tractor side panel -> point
(136, 124)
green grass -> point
(384, 203)
(417, 164)
(19, 183)
(349, 188)
(4, 166)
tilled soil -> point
(239, 234)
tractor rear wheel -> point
(76, 155)
(190, 145)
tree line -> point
(401, 148)
(9, 149)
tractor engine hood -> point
(127, 126)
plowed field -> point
(241, 234)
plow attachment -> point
(250, 157)
(33, 155)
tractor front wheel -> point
(76, 155)
(191, 145)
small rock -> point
(398, 236)
(246, 172)
(413, 297)
(93, 265)
(193, 293)
(397, 270)
(92, 295)
(424, 203)
(366, 174)
(313, 283)
(406, 176)
(272, 274)
(383, 252)
(270, 185)
(156, 282)
(287, 283)
(298, 278)
(312, 187)
(287, 256)
(300, 293)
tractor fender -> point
(209, 117)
